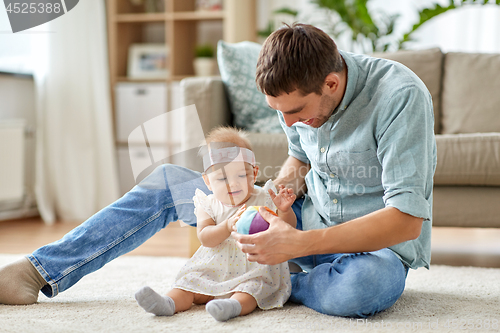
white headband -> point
(226, 155)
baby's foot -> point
(224, 309)
(154, 303)
(20, 283)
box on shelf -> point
(137, 103)
(149, 128)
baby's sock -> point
(20, 283)
(224, 309)
(154, 303)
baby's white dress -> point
(224, 269)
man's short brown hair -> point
(294, 57)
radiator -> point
(12, 163)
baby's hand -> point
(231, 222)
(284, 199)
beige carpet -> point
(439, 300)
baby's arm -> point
(211, 234)
(289, 217)
(284, 201)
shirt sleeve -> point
(293, 137)
(407, 152)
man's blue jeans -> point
(336, 284)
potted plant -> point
(204, 62)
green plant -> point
(355, 16)
(204, 51)
(270, 25)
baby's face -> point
(233, 183)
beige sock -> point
(20, 283)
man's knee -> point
(356, 297)
(168, 175)
(372, 286)
(155, 180)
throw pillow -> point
(237, 65)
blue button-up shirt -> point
(376, 150)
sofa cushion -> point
(471, 98)
(466, 206)
(468, 159)
(237, 65)
(427, 64)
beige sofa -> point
(466, 95)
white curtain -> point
(76, 163)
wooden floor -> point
(26, 235)
(450, 246)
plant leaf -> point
(286, 10)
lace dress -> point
(224, 269)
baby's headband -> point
(226, 155)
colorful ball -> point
(251, 221)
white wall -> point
(17, 96)
(468, 29)
(18, 51)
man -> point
(364, 128)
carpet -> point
(442, 299)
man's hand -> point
(277, 244)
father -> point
(364, 128)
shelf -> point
(181, 27)
(169, 78)
(179, 77)
(128, 79)
(140, 18)
(178, 16)
(197, 15)
(171, 144)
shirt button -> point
(335, 201)
(332, 175)
(323, 149)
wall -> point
(17, 96)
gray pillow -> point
(237, 65)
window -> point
(16, 50)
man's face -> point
(313, 109)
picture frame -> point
(147, 61)
(209, 5)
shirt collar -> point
(352, 79)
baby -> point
(219, 269)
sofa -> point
(465, 89)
